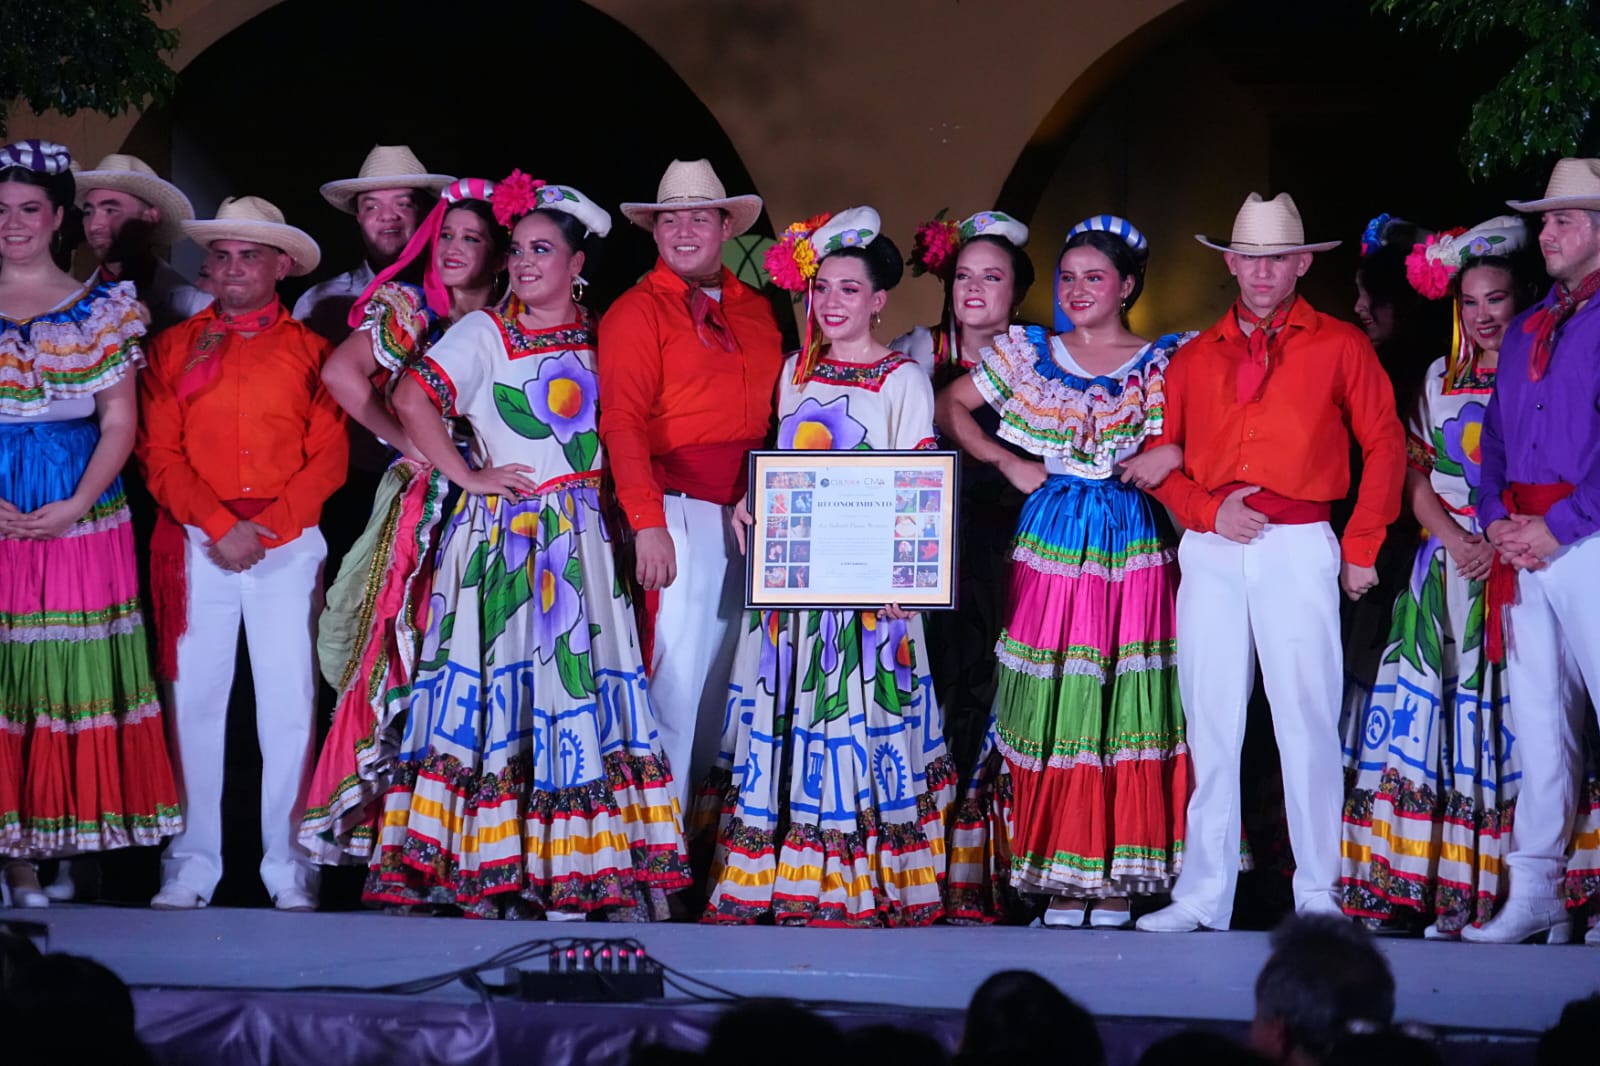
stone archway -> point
(269, 111)
(910, 105)
(1217, 99)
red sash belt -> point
(169, 581)
(1280, 510)
(713, 472)
(1520, 497)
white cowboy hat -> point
(1574, 184)
(386, 167)
(250, 218)
(132, 175)
(1267, 227)
(694, 183)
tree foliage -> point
(103, 55)
(1543, 105)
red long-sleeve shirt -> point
(1324, 387)
(661, 388)
(265, 429)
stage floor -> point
(1197, 975)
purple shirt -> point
(1539, 432)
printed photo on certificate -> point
(852, 529)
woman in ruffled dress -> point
(368, 636)
(1087, 713)
(808, 832)
(83, 759)
(1434, 770)
(530, 781)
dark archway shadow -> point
(297, 95)
(1217, 98)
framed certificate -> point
(853, 529)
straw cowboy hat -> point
(250, 218)
(694, 183)
(386, 167)
(132, 175)
(1267, 227)
(1574, 185)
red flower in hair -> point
(933, 249)
(514, 196)
(792, 261)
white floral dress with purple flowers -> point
(1433, 764)
(833, 787)
(530, 777)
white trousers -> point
(1552, 655)
(276, 600)
(1278, 598)
(695, 639)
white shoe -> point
(295, 899)
(76, 879)
(1433, 932)
(1173, 918)
(1592, 938)
(566, 916)
(1321, 904)
(19, 886)
(1110, 917)
(176, 897)
(1065, 913)
(1521, 920)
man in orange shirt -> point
(1264, 404)
(689, 359)
(240, 446)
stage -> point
(213, 985)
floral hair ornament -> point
(938, 241)
(793, 263)
(518, 194)
(425, 240)
(854, 228)
(1434, 263)
(41, 157)
(1372, 236)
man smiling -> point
(689, 358)
(1264, 404)
(389, 198)
(127, 208)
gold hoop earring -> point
(579, 286)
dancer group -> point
(551, 701)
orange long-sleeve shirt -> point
(265, 429)
(662, 389)
(1325, 386)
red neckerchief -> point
(705, 311)
(1257, 362)
(1544, 322)
(205, 358)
